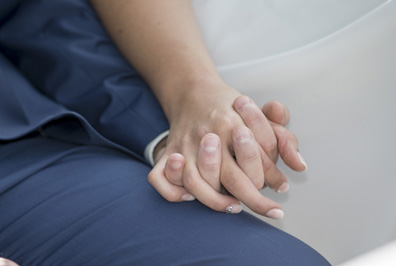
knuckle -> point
(202, 131)
(228, 122)
(211, 166)
(185, 141)
(250, 155)
(254, 116)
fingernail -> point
(187, 197)
(234, 209)
(283, 188)
(242, 102)
(244, 136)
(302, 161)
(176, 164)
(275, 214)
(211, 144)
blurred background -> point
(333, 63)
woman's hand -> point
(161, 39)
(209, 160)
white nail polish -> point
(275, 214)
(283, 188)
(234, 208)
(302, 161)
(187, 197)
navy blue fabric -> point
(74, 120)
(67, 204)
(62, 49)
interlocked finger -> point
(209, 160)
(206, 194)
(174, 168)
(248, 155)
(288, 148)
(167, 190)
(241, 187)
(255, 120)
(277, 112)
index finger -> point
(240, 186)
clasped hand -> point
(224, 151)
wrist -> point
(189, 91)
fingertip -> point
(187, 197)
(175, 162)
(276, 112)
(275, 214)
(234, 209)
(283, 188)
(302, 161)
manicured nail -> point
(244, 136)
(211, 143)
(242, 102)
(283, 188)
(275, 214)
(234, 209)
(302, 161)
(187, 197)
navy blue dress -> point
(74, 121)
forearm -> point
(162, 41)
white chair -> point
(334, 64)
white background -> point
(333, 62)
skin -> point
(209, 160)
(161, 39)
(5, 262)
(209, 122)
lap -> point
(66, 204)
